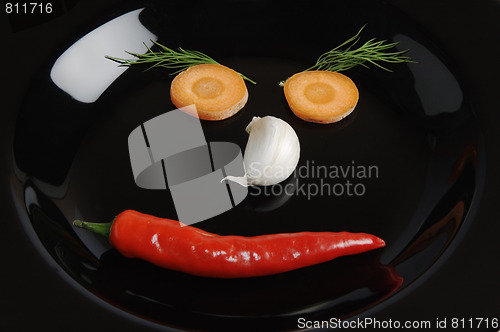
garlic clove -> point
(271, 154)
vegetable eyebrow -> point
(345, 56)
(179, 60)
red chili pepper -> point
(169, 244)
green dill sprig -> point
(165, 57)
(344, 56)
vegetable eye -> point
(218, 92)
(321, 96)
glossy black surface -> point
(430, 200)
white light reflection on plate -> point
(82, 70)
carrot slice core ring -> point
(208, 87)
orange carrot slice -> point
(217, 91)
(321, 96)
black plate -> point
(419, 130)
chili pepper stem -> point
(103, 229)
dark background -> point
(466, 285)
